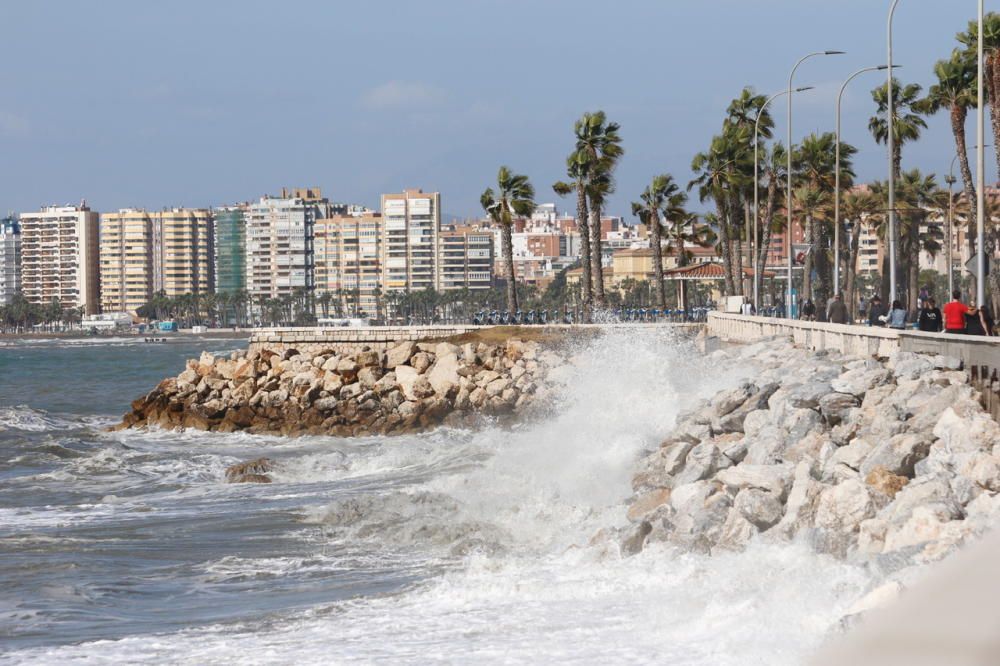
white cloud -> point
(401, 95)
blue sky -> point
(209, 102)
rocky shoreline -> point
(411, 387)
(891, 463)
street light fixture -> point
(836, 200)
(755, 262)
(788, 194)
(891, 141)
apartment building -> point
(464, 259)
(230, 249)
(60, 257)
(279, 242)
(146, 252)
(411, 221)
(10, 259)
(348, 258)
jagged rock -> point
(774, 479)
(860, 381)
(421, 361)
(702, 461)
(983, 469)
(898, 455)
(836, 406)
(252, 471)
(647, 503)
(400, 354)
(885, 481)
(841, 508)
(443, 377)
(759, 507)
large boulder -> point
(841, 508)
(400, 354)
(774, 479)
(861, 380)
(836, 406)
(898, 454)
(759, 507)
(443, 377)
(702, 462)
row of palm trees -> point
(724, 178)
(20, 315)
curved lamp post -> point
(836, 199)
(756, 193)
(788, 194)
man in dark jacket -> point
(930, 319)
(876, 310)
(837, 312)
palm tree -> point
(856, 208)
(813, 204)
(599, 144)
(956, 92)
(907, 123)
(648, 210)
(774, 167)
(578, 168)
(991, 65)
(514, 196)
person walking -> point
(954, 314)
(988, 322)
(809, 310)
(837, 312)
(931, 320)
(974, 322)
(897, 316)
(876, 312)
(747, 308)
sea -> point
(456, 546)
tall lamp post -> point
(755, 263)
(980, 173)
(788, 194)
(836, 199)
(891, 141)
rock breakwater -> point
(410, 387)
(891, 463)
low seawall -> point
(852, 340)
(344, 340)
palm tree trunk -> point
(726, 248)
(508, 254)
(992, 76)
(958, 117)
(850, 272)
(913, 266)
(583, 226)
(764, 243)
(808, 265)
(823, 269)
(655, 245)
(596, 269)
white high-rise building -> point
(279, 242)
(60, 257)
(10, 259)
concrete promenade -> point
(856, 340)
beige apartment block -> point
(411, 221)
(465, 259)
(59, 257)
(145, 252)
(348, 253)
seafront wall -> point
(863, 341)
(314, 340)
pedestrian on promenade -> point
(897, 316)
(837, 312)
(863, 308)
(876, 312)
(931, 320)
(809, 310)
(988, 322)
(747, 308)
(975, 324)
(779, 307)
(954, 314)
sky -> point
(211, 102)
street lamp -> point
(836, 200)
(891, 141)
(980, 173)
(788, 194)
(756, 193)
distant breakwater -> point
(409, 387)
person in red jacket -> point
(954, 314)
